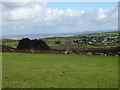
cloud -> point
(102, 14)
(22, 18)
(25, 13)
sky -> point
(20, 18)
(81, 5)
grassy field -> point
(22, 70)
(12, 44)
(101, 34)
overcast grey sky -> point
(50, 17)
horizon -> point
(42, 36)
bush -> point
(35, 44)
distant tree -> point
(25, 43)
(35, 44)
(43, 45)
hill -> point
(96, 42)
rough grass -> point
(22, 70)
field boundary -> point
(57, 52)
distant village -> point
(108, 40)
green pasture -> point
(54, 40)
(12, 44)
(51, 42)
(25, 70)
(101, 34)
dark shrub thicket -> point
(35, 44)
(25, 43)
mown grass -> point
(22, 70)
